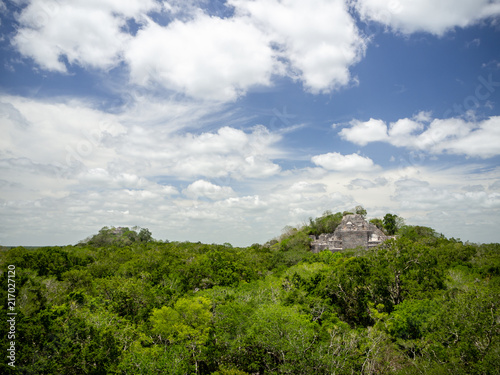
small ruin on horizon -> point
(353, 232)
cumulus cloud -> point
(87, 33)
(363, 133)
(70, 137)
(228, 152)
(401, 131)
(436, 17)
(61, 135)
(184, 170)
(100, 178)
(335, 161)
(452, 136)
(318, 38)
(202, 188)
(221, 58)
(61, 211)
(207, 57)
(474, 139)
(198, 55)
(205, 211)
(127, 169)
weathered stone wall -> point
(353, 232)
(354, 239)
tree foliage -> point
(324, 224)
(124, 303)
(188, 320)
(390, 224)
(360, 210)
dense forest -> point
(121, 302)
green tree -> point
(410, 319)
(327, 223)
(59, 341)
(279, 338)
(390, 224)
(349, 288)
(378, 223)
(131, 298)
(360, 211)
(404, 269)
(121, 236)
(145, 235)
(188, 321)
(465, 336)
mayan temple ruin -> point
(353, 232)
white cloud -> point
(125, 169)
(68, 168)
(439, 201)
(364, 183)
(318, 38)
(221, 59)
(100, 178)
(363, 133)
(338, 162)
(421, 195)
(452, 136)
(402, 130)
(87, 33)
(239, 212)
(60, 135)
(207, 57)
(67, 138)
(200, 56)
(228, 152)
(307, 187)
(423, 116)
(436, 17)
(474, 139)
(202, 188)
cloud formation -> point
(215, 58)
(202, 188)
(229, 152)
(318, 39)
(69, 137)
(335, 161)
(436, 17)
(200, 56)
(363, 183)
(185, 155)
(86, 33)
(205, 58)
(94, 168)
(437, 136)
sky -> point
(225, 121)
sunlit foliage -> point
(121, 302)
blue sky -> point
(225, 121)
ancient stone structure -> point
(353, 232)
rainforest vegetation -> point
(121, 302)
